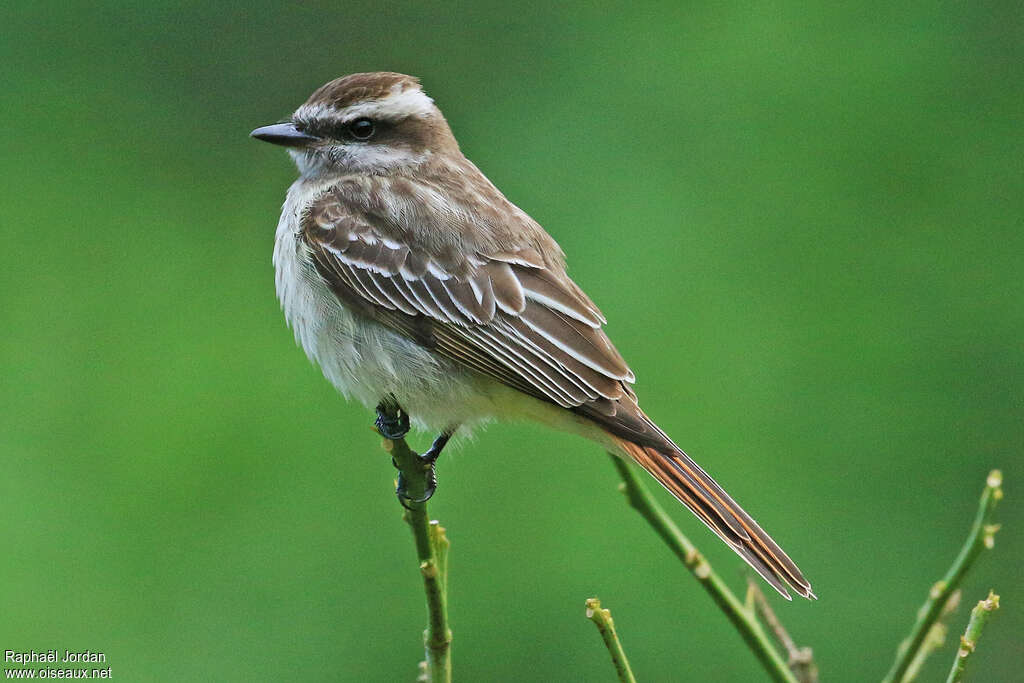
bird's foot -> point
(427, 460)
(392, 422)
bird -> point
(413, 282)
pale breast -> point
(361, 358)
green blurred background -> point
(802, 220)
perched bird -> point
(412, 281)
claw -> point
(401, 494)
(431, 487)
(391, 422)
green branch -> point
(800, 660)
(743, 619)
(969, 640)
(981, 537)
(432, 551)
(935, 638)
(602, 618)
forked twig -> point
(980, 538)
(799, 659)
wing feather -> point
(598, 383)
(561, 393)
(425, 299)
(539, 286)
(508, 293)
(504, 314)
(448, 307)
(587, 345)
(388, 287)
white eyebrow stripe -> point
(317, 111)
(407, 103)
(398, 106)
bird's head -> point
(376, 123)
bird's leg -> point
(427, 459)
(435, 448)
(393, 424)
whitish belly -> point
(367, 361)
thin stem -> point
(602, 618)
(969, 640)
(742, 619)
(935, 638)
(800, 659)
(432, 551)
(981, 537)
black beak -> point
(285, 134)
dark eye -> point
(361, 129)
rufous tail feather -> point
(694, 488)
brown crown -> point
(353, 88)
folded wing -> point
(503, 314)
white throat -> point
(324, 162)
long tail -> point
(713, 506)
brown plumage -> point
(407, 234)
